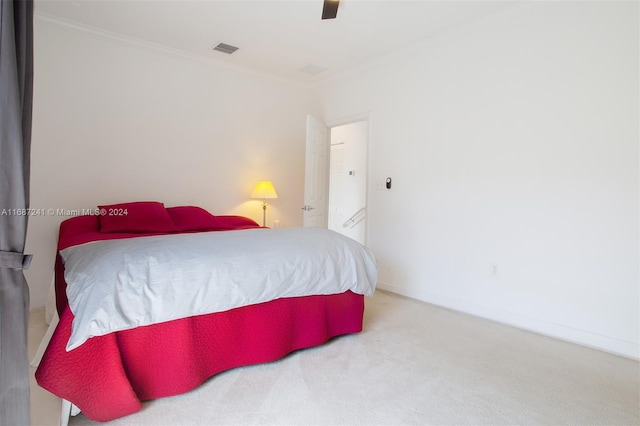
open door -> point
(316, 176)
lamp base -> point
(264, 214)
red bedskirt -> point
(108, 376)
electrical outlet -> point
(494, 270)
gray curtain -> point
(16, 86)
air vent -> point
(225, 48)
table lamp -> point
(264, 190)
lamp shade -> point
(264, 190)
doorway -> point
(336, 170)
(348, 179)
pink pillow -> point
(138, 217)
(191, 218)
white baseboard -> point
(559, 331)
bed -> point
(124, 274)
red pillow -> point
(138, 217)
(236, 222)
(80, 224)
(191, 218)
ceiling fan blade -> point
(330, 9)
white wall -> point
(116, 120)
(511, 143)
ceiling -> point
(276, 37)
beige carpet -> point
(413, 364)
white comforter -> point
(121, 284)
